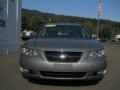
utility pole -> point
(100, 9)
(98, 23)
(49, 20)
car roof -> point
(64, 24)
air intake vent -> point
(63, 74)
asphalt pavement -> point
(11, 79)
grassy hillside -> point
(33, 20)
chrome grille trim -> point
(65, 57)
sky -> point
(80, 8)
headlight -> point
(97, 54)
(29, 52)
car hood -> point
(64, 44)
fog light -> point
(102, 72)
(23, 70)
(105, 71)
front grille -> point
(63, 74)
(65, 57)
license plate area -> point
(63, 67)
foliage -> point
(33, 20)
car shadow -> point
(63, 82)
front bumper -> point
(33, 67)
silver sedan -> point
(64, 52)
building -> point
(10, 26)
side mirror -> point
(32, 35)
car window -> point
(64, 31)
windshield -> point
(63, 31)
